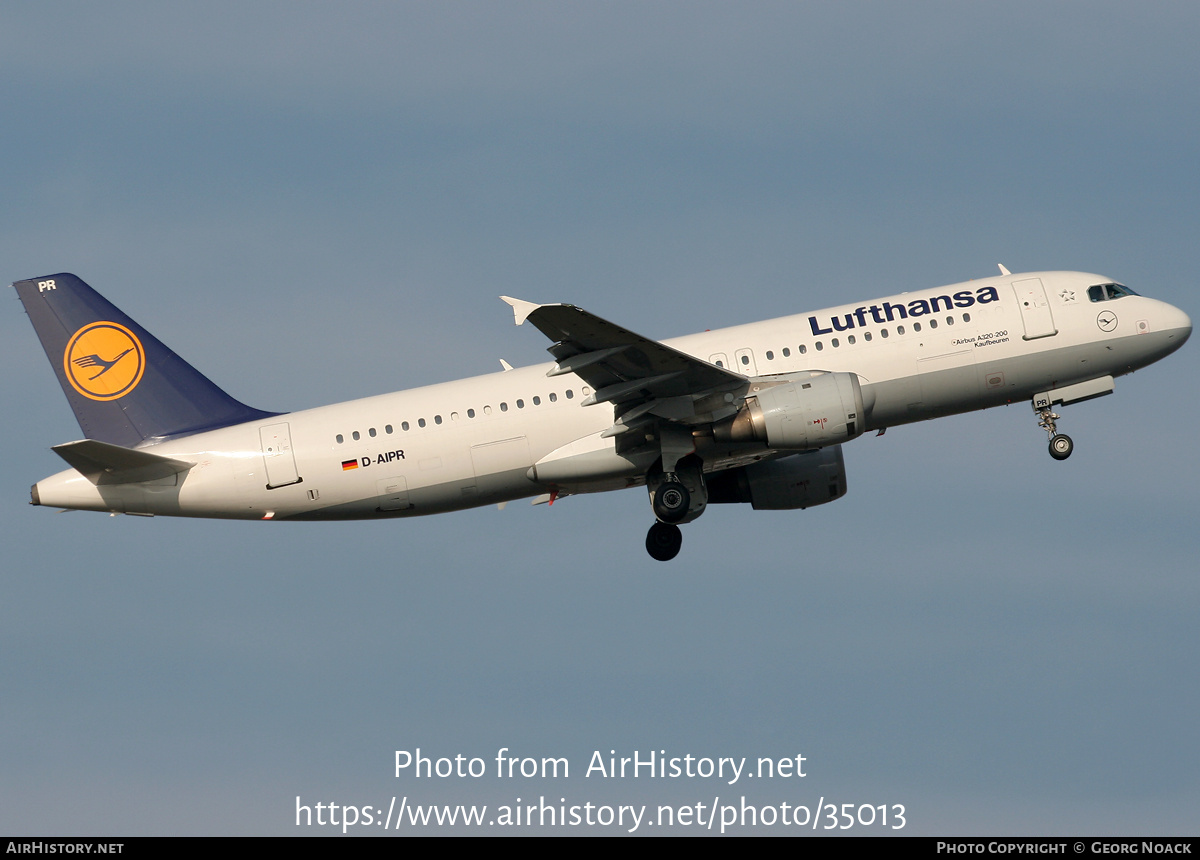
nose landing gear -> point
(1061, 445)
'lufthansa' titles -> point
(889, 312)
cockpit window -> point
(1105, 292)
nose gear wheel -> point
(1061, 445)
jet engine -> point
(799, 414)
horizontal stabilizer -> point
(102, 463)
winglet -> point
(521, 309)
(1003, 270)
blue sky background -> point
(313, 203)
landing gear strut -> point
(1061, 445)
(677, 492)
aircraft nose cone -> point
(1179, 322)
(1176, 327)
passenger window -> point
(453, 416)
(966, 317)
(487, 410)
(835, 343)
(745, 359)
(553, 397)
(537, 401)
(340, 440)
(949, 320)
(820, 346)
(883, 333)
(803, 349)
(371, 432)
(420, 422)
(387, 428)
(437, 419)
(503, 407)
(570, 394)
(850, 339)
(933, 323)
(520, 404)
(770, 355)
(867, 336)
(470, 413)
(786, 352)
(404, 426)
(355, 435)
(916, 326)
(899, 329)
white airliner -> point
(755, 413)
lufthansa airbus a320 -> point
(752, 414)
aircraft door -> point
(1035, 308)
(278, 456)
(745, 362)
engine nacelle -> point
(799, 413)
(798, 481)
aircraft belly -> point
(993, 380)
(429, 499)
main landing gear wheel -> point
(664, 540)
(1061, 447)
(671, 502)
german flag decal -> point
(347, 465)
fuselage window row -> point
(437, 419)
(851, 340)
(1102, 293)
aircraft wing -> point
(636, 374)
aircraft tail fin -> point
(123, 384)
